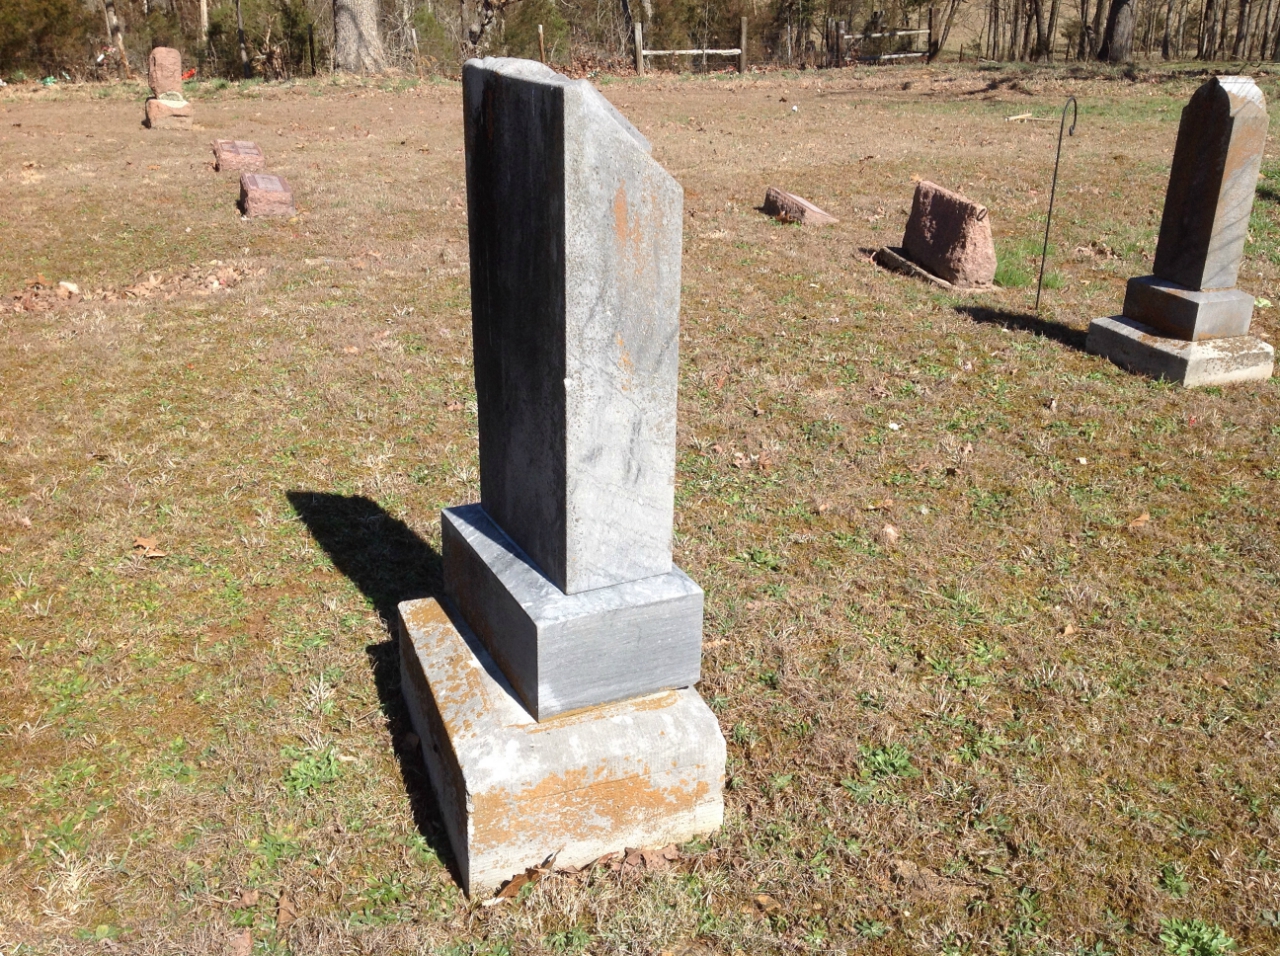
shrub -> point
(46, 36)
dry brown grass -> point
(1023, 727)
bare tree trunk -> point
(1042, 45)
(204, 26)
(357, 43)
(1221, 50)
(1208, 30)
(116, 32)
(1241, 43)
(1166, 53)
(1117, 45)
(1095, 38)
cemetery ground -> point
(991, 624)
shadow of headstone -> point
(389, 563)
(1026, 322)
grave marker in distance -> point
(1187, 322)
(167, 108)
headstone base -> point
(895, 260)
(566, 651)
(513, 791)
(1187, 314)
(1138, 348)
(165, 114)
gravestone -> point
(788, 207)
(1187, 322)
(947, 241)
(262, 194)
(237, 154)
(554, 691)
(167, 108)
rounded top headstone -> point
(164, 71)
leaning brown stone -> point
(950, 237)
(237, 154)
(262, 194)
(789, 207)
(168, 114)
(164, 71)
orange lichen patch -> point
(589, 808)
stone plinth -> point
(237, 154)
(788, 207)
(168, 113)
(513, 791)
(1211, 184)
(949, 236)
(575, 294)
(566, 651)
(262, 194)
(164, 71)
(1187, 314)
(1138, 348)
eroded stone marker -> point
(1187, 322)
(237, 154)
(554, 697)
(947, 241)
(167, 108)
(262, 194)
(788, 207)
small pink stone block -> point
(166, 114)
(237, 154)
(262, 194)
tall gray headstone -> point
(553, 692)
(1191, 296)
(575, 277)
(564, 569)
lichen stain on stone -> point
(572, 800)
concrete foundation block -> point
(1137, 347)
(566, 651)
(513, 791)
(1188, 314)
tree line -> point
(277, 39)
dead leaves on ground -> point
(149, 547)
(42, 295)
(631, 862)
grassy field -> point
(992, 626)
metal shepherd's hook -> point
(1053, 190)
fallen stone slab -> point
(788, 207)
(895, 260)
(237, 154)
(1136, 347)
(513, 791)
(262, 194)
(949, 236)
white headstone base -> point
(512, 791)
(1138, 348)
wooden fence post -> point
(742, 46)
(639, 50)
(932, 47)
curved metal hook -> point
(1044, 253)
